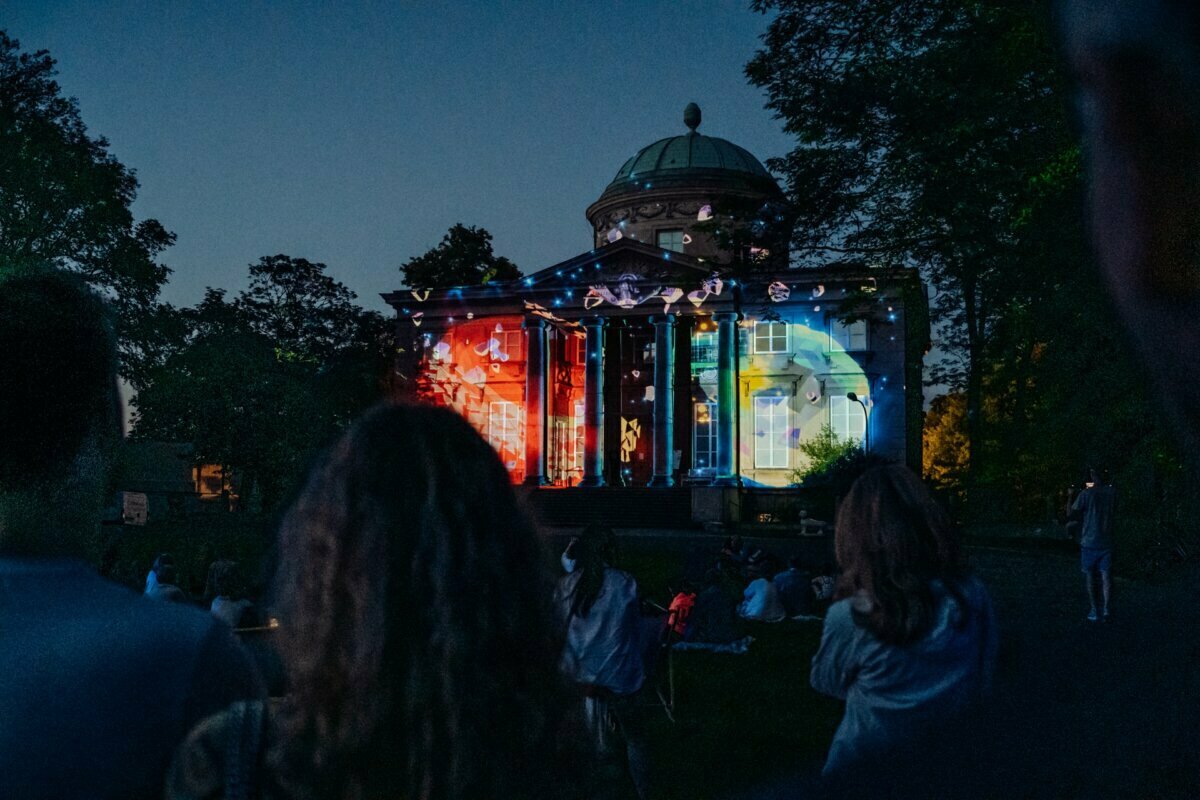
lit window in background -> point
(704, 435)
(847, 418)
(770, 432)
(770, 337)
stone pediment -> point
(625, 260)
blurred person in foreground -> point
(416, 631)
(99, 684)
(1137, 64)
(910, 643)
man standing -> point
(1094, 505)
(97, 684)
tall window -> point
(704, 435)
(851, 337)
(847, 418)
(504, 419)
(511, 344)
(671, 240)
(770, 337)
(578, 425)
(770, 432)
(704, 346)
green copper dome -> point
(691, 160)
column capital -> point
(594, 322)
(533, 322)
(727, 316)
(663, 319)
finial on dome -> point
(691, 116)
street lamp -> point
(854, 398)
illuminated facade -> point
(656, 358)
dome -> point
(692, 160)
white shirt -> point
(603, 647)
(761, 601)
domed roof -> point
(691, 160)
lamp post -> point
(854, 398)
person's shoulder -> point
(199, 767)
(840, 614)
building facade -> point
(681, 347)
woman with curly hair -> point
(910, 643)
(416, 629)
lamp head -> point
(852, 397)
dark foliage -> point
(463, 258)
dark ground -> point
(1082, 710)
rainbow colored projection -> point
(636, 366)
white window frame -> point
(504, 427)
(707, 336)
(847, 418)
(852, 338)
(771, 337)
(709, 438)
(506, 338)
(771, 419)
(672, 232)
(578, 436)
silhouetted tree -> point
(463, 258)
(66, 200)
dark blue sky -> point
(356, 134)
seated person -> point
(680, 610)
(227, 590)
(735, 550)
(795, 590)
(761, 599)
(165, 575)
(714, 618)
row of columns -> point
(537, 392)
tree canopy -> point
(258, 383)
(65, 200)
(463, 258)
(937, 134)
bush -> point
(823, 451)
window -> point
(671, 240)
(770, 432)
(504, 419)
(770, 337)
(511, 346)
(744, 336)
(578, 426)
(850, 337)
(704, 346)
(704, 435)
(847, 418)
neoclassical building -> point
(680, 347)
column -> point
(535, 401)
(664, 398)
(727, 336)
(593, 403)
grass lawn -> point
(739, 718)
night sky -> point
(357, 135)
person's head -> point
(164, 569)
(415, 617)
(59, 416)
(224, 580)
(1137, 64)
(892, 541)
(593, 551)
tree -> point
(946, 451)
(463, 258)
(259, 383)
(929, 133)
(65, 200)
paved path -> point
(1093, 709)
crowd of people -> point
(429, 652)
